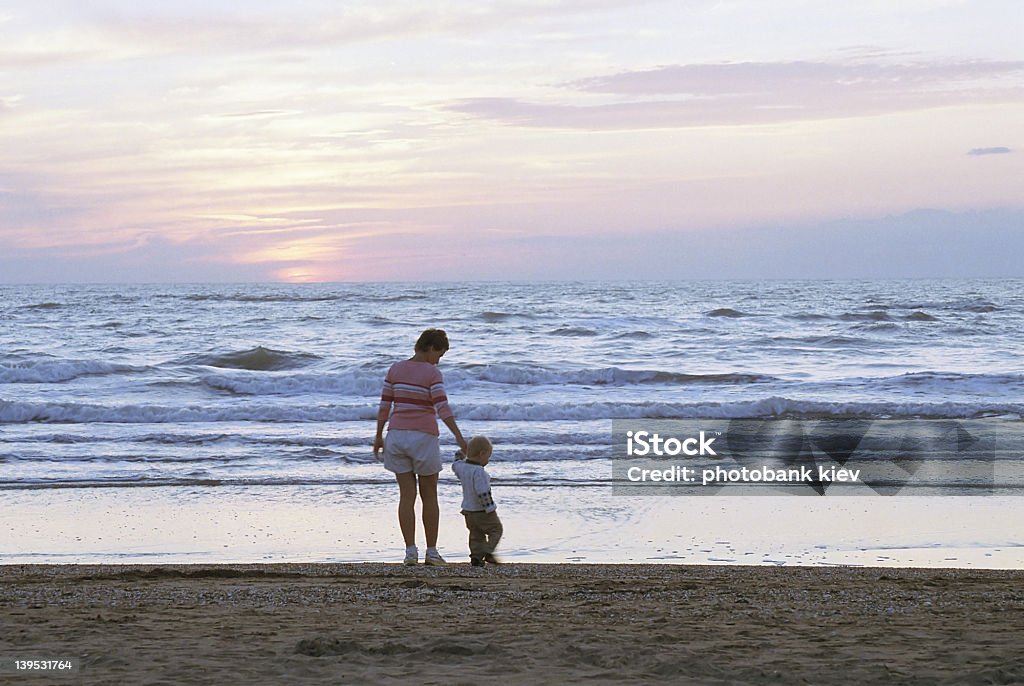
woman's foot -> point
(433, 558)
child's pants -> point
(484, 532)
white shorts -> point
(412, 451)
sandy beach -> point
(516, 623)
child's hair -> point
(478, 445)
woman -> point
(412, 449)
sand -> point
(516, 623)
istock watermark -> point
(642, 443)
(818, 457)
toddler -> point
(477, 504)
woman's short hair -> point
(435, 339)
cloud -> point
(744, 79)
(757, 93)
(28, 213)
(124, 35)
(117, 38)
(989, 151)
(145, 259)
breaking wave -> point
(56, 370)
(254, 359)
(67, 412)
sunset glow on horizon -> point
(504, 140)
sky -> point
(520, 140)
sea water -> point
(235, 422)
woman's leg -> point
(431, 512)
(407, 509)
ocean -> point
(234, 422)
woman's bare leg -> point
(407, 507)
(431, 511)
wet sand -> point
(517, 623)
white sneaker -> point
(434, 558)
(411, 556)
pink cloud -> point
(132, 34)
(750, 78)
(759, 93)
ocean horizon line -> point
(586, 281)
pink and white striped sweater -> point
(416, 389)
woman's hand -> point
(378, 445)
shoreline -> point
(543, 525)
(314, 569)
(605, 623)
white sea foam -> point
(68, 412)
(533, 375)
(55, 370)
(366, 383)
(358, 383)
(362, 382)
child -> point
(477, 504)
